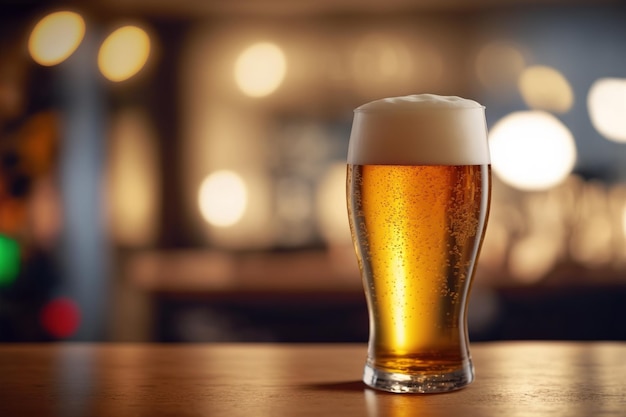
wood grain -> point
(513, 379)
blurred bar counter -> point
(317, 296)
(198, 295)
(221, 273)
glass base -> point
(422, 383)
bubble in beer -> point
(422, 164)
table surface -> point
(512, 379)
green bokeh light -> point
(9, 260)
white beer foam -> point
(423, 129)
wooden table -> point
(114, 380)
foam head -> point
(423, 129)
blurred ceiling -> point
(309, 7)
(191, 9)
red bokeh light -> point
(60, 317)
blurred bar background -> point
(174, 171)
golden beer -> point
(417, 231)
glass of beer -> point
(418, 195)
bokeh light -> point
(591, 241)
(624, 221)
(9, 260)
(124, 53)
(532, 257)
(532, 150)
(45, 210)
(132, 179)
(60, 317)
(607, 107)
(223, 198)
(494, 249)
(592, 237)
(331, 204)
(545, 88)
(382, 62)
(55, 37)
(260, 69)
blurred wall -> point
(192, 189)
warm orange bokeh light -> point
(55, 37)
(545, 88)
(124, 53)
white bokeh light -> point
(607, 108)
(260, 69)
(531, 150)
(222, 198)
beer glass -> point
(418, 195)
